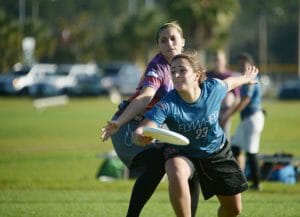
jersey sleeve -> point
(221, 87)
(158, 113)
(153, 77)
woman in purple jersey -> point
(155, 84)
(221, 71)
(192, 109)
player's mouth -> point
(173, 50)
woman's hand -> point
(250, 74)
(140, 139)
(110, 129)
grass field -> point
(48, 163)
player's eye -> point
(163, 40)
(183, 71)
(173, 72)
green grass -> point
(48, 163)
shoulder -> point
(168, 101)
(158, 67)
(158, 60)
(212, 82)
(214, 85)
(170, 96)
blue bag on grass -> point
(285, 174)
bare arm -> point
(247, 78)
(137, 106)
(232, 82)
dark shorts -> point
(151, 159)
(219, 174)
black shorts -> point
(151, 159)
(219, 174)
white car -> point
(122, 77)
(6, 80)
(36, 79)
(87, 80)
(52, 79)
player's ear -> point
(183, 42)
(197, 76)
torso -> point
(202, 128)
(255, 94)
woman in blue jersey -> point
(155, 84)
(192, 109)
(247, 136)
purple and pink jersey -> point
(157, 76)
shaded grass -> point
(114, 202)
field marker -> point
(50, 101)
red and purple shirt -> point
(157, 76)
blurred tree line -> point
(269, 30)
(68, 31)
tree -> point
(136, 39)
(281, 29)
(205, 25)
(9, 34)
(205, 22)
(99, 30)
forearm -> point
(145, 123)
(137, 106)
(248, 77)
(234, 82)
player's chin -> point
(173, 52)
(178, 86)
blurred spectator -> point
(232, 98)
(247, 136)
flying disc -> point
(164, 135)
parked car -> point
(289, 90)
(87, 80)
(6, 80)
(121, 77)
(40, 81)
(52, 79)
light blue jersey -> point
(197, 121)
(254, 92)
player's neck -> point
(191, 95)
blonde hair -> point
(193, 59)
(172, 24)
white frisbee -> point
(164, 135)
